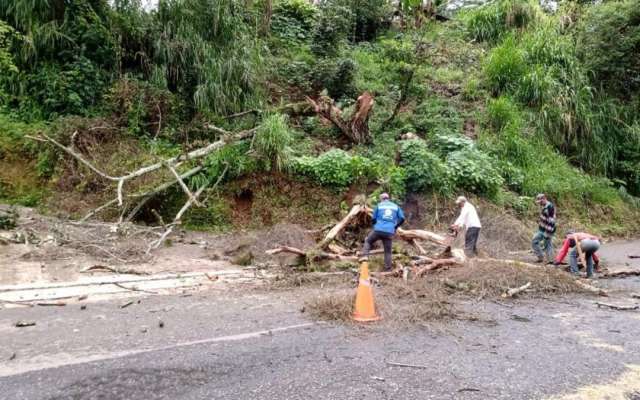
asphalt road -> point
(258, 345)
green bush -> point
(331, 29)
(8, 219)
(446, 144)
(232, 160)
(337, 76)
(336, 169)
(398, 50)
(474, 171)
(293, 20)
(7, 65)
(144, 108)
(54, 89)
(395, 182)
(424, 170)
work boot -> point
(540, 260)
(363, 259)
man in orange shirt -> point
(588, 243)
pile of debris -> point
(360, 215)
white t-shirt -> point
(468, 217)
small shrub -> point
(475, 171)
(395, 182)
(216, 216)
(424, 170)
(232, 160)
(332, 27)
(336, 168)
(472, 89)
(293, 20)
(436, 115)
(446, 144)
(336, 76)
(398, 50)
(8, 219)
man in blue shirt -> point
(387, 217)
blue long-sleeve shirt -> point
(387, 217)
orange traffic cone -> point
(365, 310)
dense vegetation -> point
(504, 100)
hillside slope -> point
(499, 103)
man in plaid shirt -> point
(542, 242)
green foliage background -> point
(504, 100)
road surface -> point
(259, 345)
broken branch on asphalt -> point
(515, 291)
(115, 270)
(616, 307)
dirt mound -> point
(250, 247)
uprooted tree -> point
(171, 164)
(357, 127)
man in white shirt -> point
(469, 219)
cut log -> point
(621, 274)
(311, 255)
(437, 264)
(591, 289)
(515, 291)
(417, 245)
(331, 235)
(412, 234)
(616, 307)
(335, 248)
(516, 263)
(286, 249)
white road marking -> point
(63, 360)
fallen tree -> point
(171, 164)
(327, 250)
(356, 128)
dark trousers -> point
(470, 241)
(386, 244)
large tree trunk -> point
(357, 128)
(360, 121)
